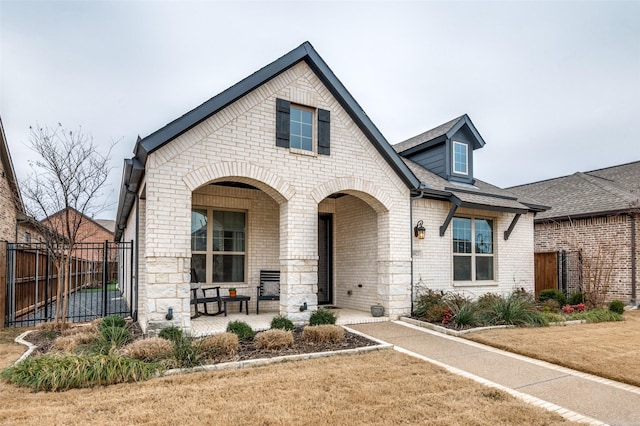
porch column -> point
(394, 262)
(298, 258)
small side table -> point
(240, 299)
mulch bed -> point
(246, 350)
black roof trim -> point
(484, 194)
(304, 52)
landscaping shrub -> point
(274, 339)
(616, 306)
(515, 309)
(322, 316)
(425, 302)
(552, 294)
(111, 338)
(596, 315)
(550, 305)
(188, 351)
(149, 350)
(241, 329)
(71, 342)
(113, 321)
(466, 315)
(171, 333)
(282, 322)
(575, 298)
(323, 333)
(487, 300)
(58, 373)
(219, 345)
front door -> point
(325, 259)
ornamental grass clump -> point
(274, 339)
(59, 373)
(172, 333)
(323, 333)
(465, 315)
(222, 344)
(71, 342)
(515, 309)
(596, 315)
(149, 350)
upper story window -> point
(301, 128)
(472, 249)
(460, 158)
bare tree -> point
(67, 179)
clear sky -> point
(553, 87)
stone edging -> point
(457, 333)
(30, 346)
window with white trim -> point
(460, 158)
(472, 249)
(301, 128)
(218, 252)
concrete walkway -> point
(576, 396)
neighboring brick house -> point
(89, 230)
(284, 171)
(594, 215)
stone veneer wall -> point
(590, 234)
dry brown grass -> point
(610, 349)
(323, 333)
(219, 345)
(274, 339)
(149, 350)
(379, 388)
(70, 342)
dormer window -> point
(460, 158)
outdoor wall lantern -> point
(419, 230)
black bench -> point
(206, 298)
(269, 288)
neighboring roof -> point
(601, 192)
(108, 224)
(7, 166)
(438, 135)
(134, 168)
(481, 195)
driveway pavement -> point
(575, 395)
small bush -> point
(149, 350)
(487, 300)
(219, 345)
(550, 305)
(426, 301)
(241, 329)
(188, 351)
(456, 300)
(172, 334)
(282, 322)
(112, 321)
(435, 313)
(552, 294)
(322, 317)
(466, 315)
(274, 339)
(58, 373)
(616, 306)
(596, 315)
(71, 342)
(575, 298)
(111, 338)
(325, 333)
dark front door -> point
(325, 259)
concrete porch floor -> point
(206, 325)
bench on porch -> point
(269, 288)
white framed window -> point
(460, 158)
(301, 128)
(473, 258)
(218, 251)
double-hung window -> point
(472, 249)
(218, 251)
(301, 128)
(460, 158)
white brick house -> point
(284, 171)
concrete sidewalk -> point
(575, 395)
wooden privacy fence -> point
(100, 282)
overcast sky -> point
(552, 87)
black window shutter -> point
(283, 111)
(324, 132)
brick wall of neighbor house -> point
(433, 259)
(7, 209)
(612, 231)
(239, 143)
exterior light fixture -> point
(419, 230)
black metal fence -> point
(100, 282)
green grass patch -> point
(112, 286)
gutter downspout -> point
(633, 257)
(421, 195)
(136, 251)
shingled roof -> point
(601, 192)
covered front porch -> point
(208, 325)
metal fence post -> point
(3, 281)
